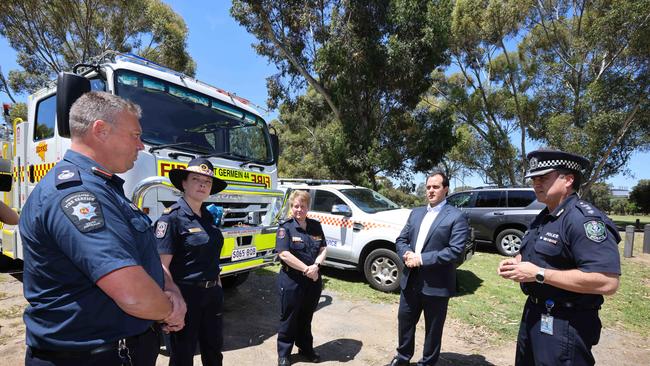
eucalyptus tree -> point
(51, 36)
(369, 62)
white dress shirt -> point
(432, 213)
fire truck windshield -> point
(186, 120)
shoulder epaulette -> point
(171, 208)
(66, 176)
(587, 209)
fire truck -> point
(182, 118)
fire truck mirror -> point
(275, 145)
(69, 87)
(5, 175)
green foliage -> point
(52, 36)
(601, 196)
(578, 80)
(401, 195)
(18, 110)
(640, 195)
(359, 70)
(487, 92)
(624, 207)
(591, 79)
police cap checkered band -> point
(545, 161)
(201, 166)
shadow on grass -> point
(457, 359)
(467, 282)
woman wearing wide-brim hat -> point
(189, 244)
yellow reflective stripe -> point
(245, 193)
(238, 266)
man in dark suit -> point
(431, 243)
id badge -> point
(546, 325)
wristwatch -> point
(539, 277)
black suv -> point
(498, 215)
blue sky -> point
(224, 57)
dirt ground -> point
(345, 332)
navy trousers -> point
(203, 325)
(412, 304)
(575, 331)
(298, 301)
(143, 351)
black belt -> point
(203, 284)
(47, 354)
(288, 269)
(564, 304)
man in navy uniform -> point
(92, 275)
(431, 244)
(568, 260)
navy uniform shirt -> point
(195, 242)
(76, 227)
(574, 235)
(303, 244)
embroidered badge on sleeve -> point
(596, 230)
(83, 209)
(161, 229)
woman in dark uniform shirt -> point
(301, 247)
(189, 244)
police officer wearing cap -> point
(301, 246)
(189, 243)
(568, 260)
(92, 276)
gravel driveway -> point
(354, 333)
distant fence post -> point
(629, 241)
(646, 239)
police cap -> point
(201, 166)
(542, 162)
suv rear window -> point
(520, 198)
(491, 199)
(324, 200)
(463, 199)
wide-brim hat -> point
(199, 166)
(541, 162)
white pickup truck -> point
(360, 227)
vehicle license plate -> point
(243, 253)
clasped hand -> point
(175, 321)
(515, 270)
(312, 272)
(412, 260)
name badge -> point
(546, 325)
(317, 237)
(296, 239)
(194, 230)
